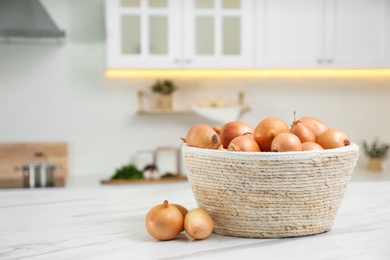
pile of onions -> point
(270, 135)
(165, 221)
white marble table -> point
(107, 222)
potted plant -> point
(376, 152)
(164, 90)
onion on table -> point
(164, 221)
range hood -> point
(27, 19)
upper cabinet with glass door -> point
(143, 33)
(218, 34)
(179, 34)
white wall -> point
(58, 92)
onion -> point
(202, 136)
(267, 129)
(333, 138)
(286, 142)
(183, 212)
(164, 221)
(244, 143)
(198, 224)
(231, 130)
(221, 148)
(303, 132)
(315, 125)
(309, 146)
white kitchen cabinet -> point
(179, 34)
(358, 33)
(289, 33)
(218, 34)
(143, 34)
(322, 33)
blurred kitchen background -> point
(65, 91)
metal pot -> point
(39, 172)
(39, 175)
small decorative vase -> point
(375, 164)
(164, 101)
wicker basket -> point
(270, 195)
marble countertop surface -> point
(107, 222)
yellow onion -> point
(286, 142)
(164, 221)
(304, 133)
(266, 130)
(198, 224)
(244, 143)
(309, 146)
(183, 211)
(314, 124)
(202, 136)
(231, 130)
(333, 138)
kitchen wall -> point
(58, 92)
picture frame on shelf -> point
(167, 160)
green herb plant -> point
(127, 172)
(163, 87)
(377, 149)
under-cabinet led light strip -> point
(117, 73)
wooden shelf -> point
(163, 111)
(162, 180)
(145, 110)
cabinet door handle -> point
(320, 61)
(187, 61)
(176, 61)
(330, 61)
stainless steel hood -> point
(27, 19)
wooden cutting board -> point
(14, 155)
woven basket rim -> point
(269, 155)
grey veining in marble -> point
(107, 222)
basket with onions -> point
(272, 180)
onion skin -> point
(266, 130)
(221, 148)
(315, 125)
(183, 212)
(286, 142)
(310, 146)
(333, 138)
(231, 130)
(244, 143)
(202, 136)
(304, 133)
(164, 221)
(198, 224)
